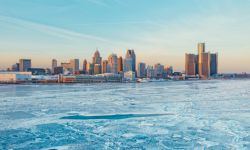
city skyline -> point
(162, 30)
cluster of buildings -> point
(202, 65)
(112, 69)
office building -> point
(84, 67)
(105, 67)
(112, 63)
(130, 61)
(97, 59)
(150, 72)
(97, 69)
(204, 72)
(141, 70)
(24, 64)
(74, 65)
(120, 64)
(15, 67)
(58, 70)
(214, 64)
(90, 69)
(37, 71)
(158, 69)
(191, 64)
(54, 64)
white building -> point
(15, 77)
(129, 76)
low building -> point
(37, 71)
(129, 76)
(15, 77)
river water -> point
(198, 115)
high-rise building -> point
(84, 67)
(127, 64)
(97, 69)
(105, 66)
(24, 65)
(54, 64)
(204, 72)
(214, 64)
(141, 70)
(112, 63)
(67, 67)
(201, 50)
(97, 59)
(120, 64)
(150, 72)
(191, 64)
(159, 69)
(90, 68)
(74, 65)
(130, 61)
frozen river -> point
(168, 115)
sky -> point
(160, 31)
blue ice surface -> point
(208, 115)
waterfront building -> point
(127, 64)
(67, 68)
(191, 64)
(150, 72)
(54, 64)
(15, 77)
(105, 66)
(24, 64)
(214, 64)
(129, 76)
(97, 69)
(130, 61)
(84, 67)
(97, 62)
(158, 70)
(58, 70)
(74, 65)
(120, 64)
(97, 59)
(90, 68)
(141, 70)
(15, 67)
(204, 72)
(37, 71)
(112, 63)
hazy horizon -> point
(159, 31)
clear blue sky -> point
(159, 30)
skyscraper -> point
(54, 64)
(90, 68)
(97, 69)
(112, 63)
(204, 72)
(130, 61)
(214, 64)
(105, 66)
(159, 69)
(141, 70)
(24, 64)
(191, 64)
(84, 67)
(97, 59)
(120, 64)
(201, 50)
(75, 65)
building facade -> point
(113, 64)
(141, 70)
(24, 64)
